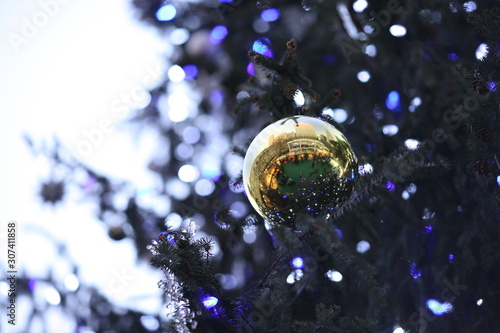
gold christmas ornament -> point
(298, 165)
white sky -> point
(65, 78)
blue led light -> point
(414, 271)
(452, 56)
(251, 69)
(166, 13)
(216, 97)
(218, 34)
(191, 71)
(260, 46)
(427, 229)
(210, 302)
(390, 186)
(339, 233)
(211, 171)
(451, 258)
(498, 180)
(270, 15)
(392, 101)
(32, 284)
(438, 308)
(298, 262)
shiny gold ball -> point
(298, 166)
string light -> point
(210, 301)
(438, 308)
(297, 262)
(392, 101)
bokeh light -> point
(261, 46)
(210, 302)
(481, 51)
(359, 5)
(470, 6)
(179, 36)
(397, 30)
(250, 68)
(339, 115)
(370, 50)
(390, 129)
(362, 246)
(438, 308)
(392, 101)
(411, 144)
(166, 13)
(363, 76)
(150, 323)
(270, 15)
(191, 71)
(188, 173)
(176, 73)
(334, 275)
(204, 187)
(298, 262)
(218, 34)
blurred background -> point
(64, 66)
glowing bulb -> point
(299, 98)
(481, 51)
(359, 5)
(176, 73)
(364, 76)
(52, 295)
(438, 308)
(390, 130)
(218, 34)
(411, 144)
(270, 15)
(260, 46)
(210, 302)
(297, 262)
(339, 115)
(365, 169)
(470, 6)
(188, 173)
(370, 50)
(362, 246)
(392, 100)
(71, 282)
(397, 30)
(179, 36)
(191, 71)
(166, 13)
(334, 276)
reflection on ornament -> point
(298, 165)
